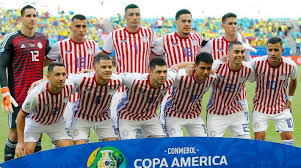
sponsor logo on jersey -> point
(106, 157)
(23, 46)
(31, 45)
(283, 77)
(40, 45)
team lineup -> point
(82, 90)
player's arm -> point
(5, 57)
(157, 49)
(52, 55)
(20, 130)
(108, 48)
(292, 87)
(183, 65)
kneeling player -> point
(183, 108)
(224, 109)
(43, 109)
(95, 94)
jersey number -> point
(81, 62)
(272, 85)
(230, 87)
(34, 56)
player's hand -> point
(86, 71)
(19, 150)
(189, 69)
(7, 100)
(34, 84)
(289, 105)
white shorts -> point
(237, 123)
(195, 127)
(245, 108)
(151, 127)
(55, 131)
(283, 121)
(80, 129)
(68, 114)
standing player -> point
(219, 47)
(43, 109)
(138, 107)
(95, 94)
(183, 108)
(224, 109)
(180, 46)
(132, 46)
(22, 55)
(271, 100)
(76, 53)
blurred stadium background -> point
(256, 22)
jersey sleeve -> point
(252, 77)
(207, 48)
(76, 78)
(158, 47)
(6, 51)
(172, 73)
(48, 47)
(30, 102)
(97, 50)
(54, 53)
(216, 65)
(108, 46)
(154, 39)
(128, 78)
(294, 74)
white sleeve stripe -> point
(6, 40)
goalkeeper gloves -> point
(7, 100)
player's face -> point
(274, 52)
(202, 71)
(159, 75)
(104, 70)
(230, 26)
(29, 19)
(237, 54)
(132, 17)
(184, 24)
(57, 77)
(79, 29)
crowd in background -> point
(257, 31)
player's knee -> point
(110, 139)
(12, 135)
(29, 150)
(64, 143)
(286, 135)
(259, 135)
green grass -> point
(272, 135)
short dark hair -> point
(203, 57)
(156, 61)
(130, 6)
(228, 15)
(79, 17)
(233, 43)
(54, 64)
(181, 12)
(26, 7)
(274, 40)
(98, 58)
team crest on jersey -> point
(194, 42)
(144, 39)
(40, 45)
(65, 100)
(283, 77)
(23, 46)
(242, 79)
(31, 45)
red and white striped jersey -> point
(227, 88)
(45, 107)
(94, 99)
(132, 50)
(271, 84)
(176, 49)
(187, 93)
(140, 102)
(75, 56)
